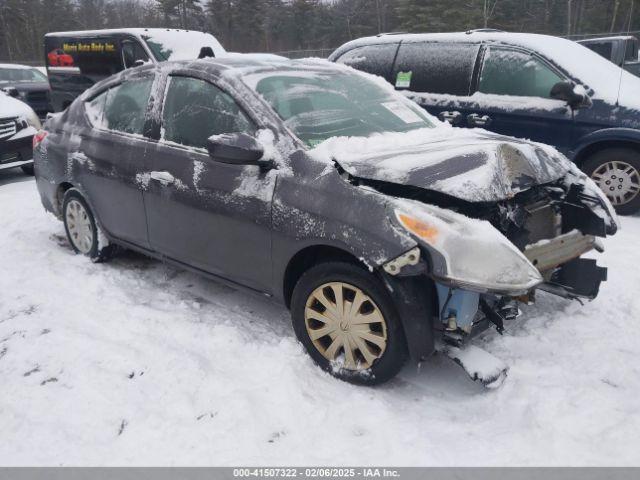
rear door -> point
(438, 76)
(209, 215)
(374, 59)
(513, 98)
(109, 157)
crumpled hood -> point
(471, 165)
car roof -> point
(112, 31)
(240, 64)
(607, 39)
(16, 66)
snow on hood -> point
(10, 107)
(472, 165)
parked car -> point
(621, 50)
(27, 84)
(538, 87)
(383, 229)
(18, 124)
(77, 60)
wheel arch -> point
(605, 140)
(307, 257)
(59, 196)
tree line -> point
(287, 25)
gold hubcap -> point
(345, 325)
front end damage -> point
(485, 258)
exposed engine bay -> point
(552, 225)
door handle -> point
(165, 178)
(452, 117)
(476, 120)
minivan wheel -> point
(82, 230)
(27, 169)
(348, 323)
(617, 173)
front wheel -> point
(347, 322)
(83, 232)
(617, 173)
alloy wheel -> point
(619, 181)
(345, 325)
(79, 226)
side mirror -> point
(237, 149)
(574, 95)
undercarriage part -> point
(548, 254)
(493, 316)
(479, 364)
(579, 278)
(394, 267)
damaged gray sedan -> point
(388, 234)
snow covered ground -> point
(137, 363)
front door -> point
(513, 98)
(209, 215)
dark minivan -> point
(538, 87)
(77, 60)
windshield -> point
(175, 45)
(18, 75)
(318, 105)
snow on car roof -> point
(16, 66)
(579, 62)
(111, 31)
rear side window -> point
(511, 72)
(194, 110)
(435, 67)
(122, 108)
(374, 59)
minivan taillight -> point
(38, 138)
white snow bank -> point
(137, 363)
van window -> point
(194, 110)
(374, 59)
(93, 57)
(436, 67)
(132, 52)
(511, 72)
(125, 107)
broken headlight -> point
(477, 256)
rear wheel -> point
(346, 320)
(82, 230)
(617, 173)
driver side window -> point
(194, 110)
(511, 72)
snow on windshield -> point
(176, 45)
(317, 105)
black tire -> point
(392, 358)
(28, 169)
(599, 159)
(99, 249)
